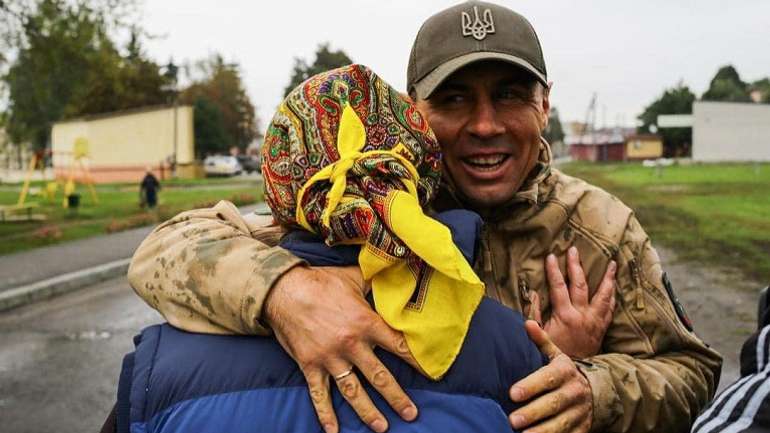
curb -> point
(71, 281)
(64, 283)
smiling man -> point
(488, 117)
(478, 75)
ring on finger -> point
(344, 374)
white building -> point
(725, 131)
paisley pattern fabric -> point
(302, 139)
(352, 160)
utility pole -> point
(171, 74)
(590, 119)
(176, 104)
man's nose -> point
(485, 122)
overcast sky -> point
(626, 51)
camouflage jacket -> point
(209, 270)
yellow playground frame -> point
(77, 172)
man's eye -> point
(512, 95)
(453, 98)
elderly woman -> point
(350, 167)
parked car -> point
(221, 165)
(250, 164)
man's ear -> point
(422, 107)
(546, 103)
(412, 95)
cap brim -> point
(428, 84)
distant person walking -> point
(148, 190)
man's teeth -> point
(486, 161)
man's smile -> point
(486, 166)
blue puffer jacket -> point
(177, 381)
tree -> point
(15, 14)
(63, 63)
(727, 86)
(58, 41)
(220, 85)
(763, 87)
(554, 132)
(210, 134)
(114, 82)
(325, 59)
(677, 100)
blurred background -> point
(116, 115)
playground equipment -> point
(22, 211)
(75, 171)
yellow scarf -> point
(436, 318)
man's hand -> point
(576, 325)
(559, 396)
(320, 316)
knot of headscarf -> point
(352, 160)
(351, 138)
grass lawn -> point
(118, 209)
(711, 213)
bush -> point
(131, 222)
(243, 199)
(49, 232)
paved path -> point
(60, 359)
(47, 262)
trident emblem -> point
(478, 28)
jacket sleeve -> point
(210, 270)
(654, 373)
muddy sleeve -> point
(209, 270)
(654, 373)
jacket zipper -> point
(489, 266)
(487, 252)
(591, 237)
(635, 274)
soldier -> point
(477, 74)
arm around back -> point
(210, 270)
